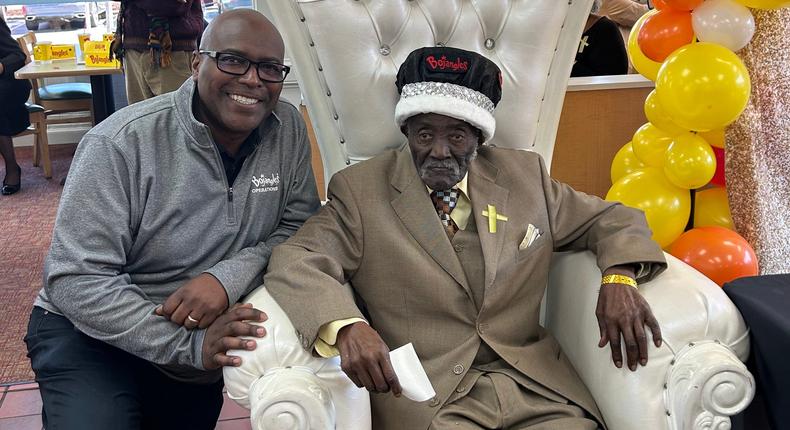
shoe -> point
(11, 189)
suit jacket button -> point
(460, 389)
(434, 402)
(458, 247)
(458, 369)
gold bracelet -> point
(619, 279)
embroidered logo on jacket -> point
(265, 184)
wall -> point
(599, 116)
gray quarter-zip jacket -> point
(147, 207)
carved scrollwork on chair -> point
(707, 384)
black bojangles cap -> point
(449, 81)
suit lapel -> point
(484, 191)
(414, 208)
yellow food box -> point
(97, 54)
(63, 52)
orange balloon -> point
(664, 32)
(684, 5)
(719, 253)
(660, 4)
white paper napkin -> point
(411, 374)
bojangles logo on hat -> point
(443, 64)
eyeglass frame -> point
(215, 55)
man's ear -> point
(195, 64)
(405, 130)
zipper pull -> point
(230, 194)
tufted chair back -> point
(347, 54)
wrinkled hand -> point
(365, 358)
(623, 311)
(196, 304)
(225, 334)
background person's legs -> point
(165, 79)
(134, 65)
(11, 168)
(145, 80)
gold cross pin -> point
(493, 217)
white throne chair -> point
(347, 53)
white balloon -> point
(725, 22)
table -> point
(764, 302)
(101, 84)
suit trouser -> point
(496, 401)
(88, 384)
(145, 79)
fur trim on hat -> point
(476, 116)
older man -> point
(447, 244)
(169, 215)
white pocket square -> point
(533, 233)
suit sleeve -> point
(617, 234)
(307, 273)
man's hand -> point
(197, 303)
(225, 332)
(622, 310)
(366, 359)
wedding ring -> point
(192, 320)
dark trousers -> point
(88, 384)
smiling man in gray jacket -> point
(168, 217)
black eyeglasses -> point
(233, 64)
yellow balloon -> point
(625, 162)
(645, 66)
(689, 162)
(711, 207)
(714, 138)
(703, 86)
(666, 206)
(650, 143)
(656, 115)
(765, 4)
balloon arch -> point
(701, 86)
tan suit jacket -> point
(380, 232)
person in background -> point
(13, 113)
(155, 40)
(169, 216)
(601, 48)
(624, 13)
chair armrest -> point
(695, 380)
(286, 387)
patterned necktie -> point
(445, 202)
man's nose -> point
(440, 149)
(251, 77)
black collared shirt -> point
(233, 164)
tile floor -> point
(20, 409)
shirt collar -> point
(461, 185)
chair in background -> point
(64, 103)
(347, 54)
(38, 128)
